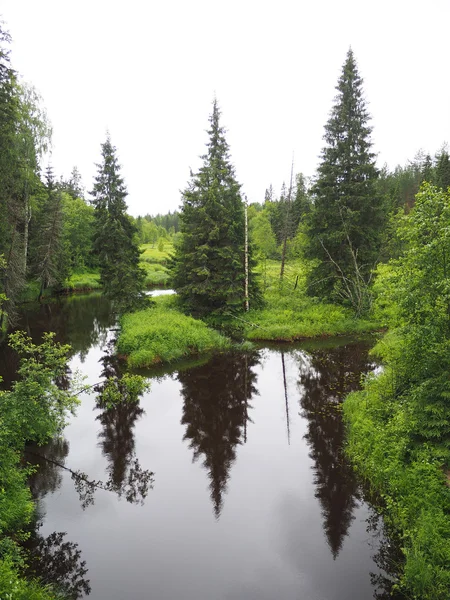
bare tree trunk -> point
(288, 421)
(27, 219)
(246, 254)
(286, 224)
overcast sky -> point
(148, 71)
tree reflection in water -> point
(57, 562)
(325, 379)
(52, 559)
(215, 412)
(388, 558)
(126, 477)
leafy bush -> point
(34, 409)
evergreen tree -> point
(208, 268)
(347, 218)
(114, 243)
(11, 213)
(443, 170)
(50, 264)
(301, 204)
(74, 185)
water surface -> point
(251, 495)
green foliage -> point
(34, 409)
(13, 587)
(83, 280)
(50, 266)
(125, 389)
(289, 314)
(399, 435)
(208, 267)
(114, 244)
(164, 334)
(154, 263)
(78, 232)
(347, 217)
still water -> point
(227, 481)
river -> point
(227, 481)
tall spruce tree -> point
(49, 259)
(114, 244)
(347, 218)
(208, 267)
(443, 169)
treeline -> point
(151, 229)
(342, 222)
(48, 227)
(280, 216)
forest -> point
(352, 249)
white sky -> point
(148, 71)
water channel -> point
(227, 481)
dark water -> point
(251, 495)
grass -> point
(151, 253)
(84, 280)
(163, 334)
(154, 262)
(289, 314)
(155, 274)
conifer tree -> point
(443, 169)
(114, 244)
(50, 266)
(347, 218)
(208, 268)
(11, 241)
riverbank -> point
(165, 334)
(408, 477)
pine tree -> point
(347, 219)
(443, 169)
(11, 213)
(208, 268)
(114, 245)
(49, 259)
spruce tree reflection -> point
(331, 375)
(215, 412)
(126, 477)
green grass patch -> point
(289, 314)
(84, 280)
(155, 274)
(163, 334)
(151, 254)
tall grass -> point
(84, 280)
(289, 314)
(154, 262)
(163, 334)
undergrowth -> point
(289, 314)
(399, 424)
